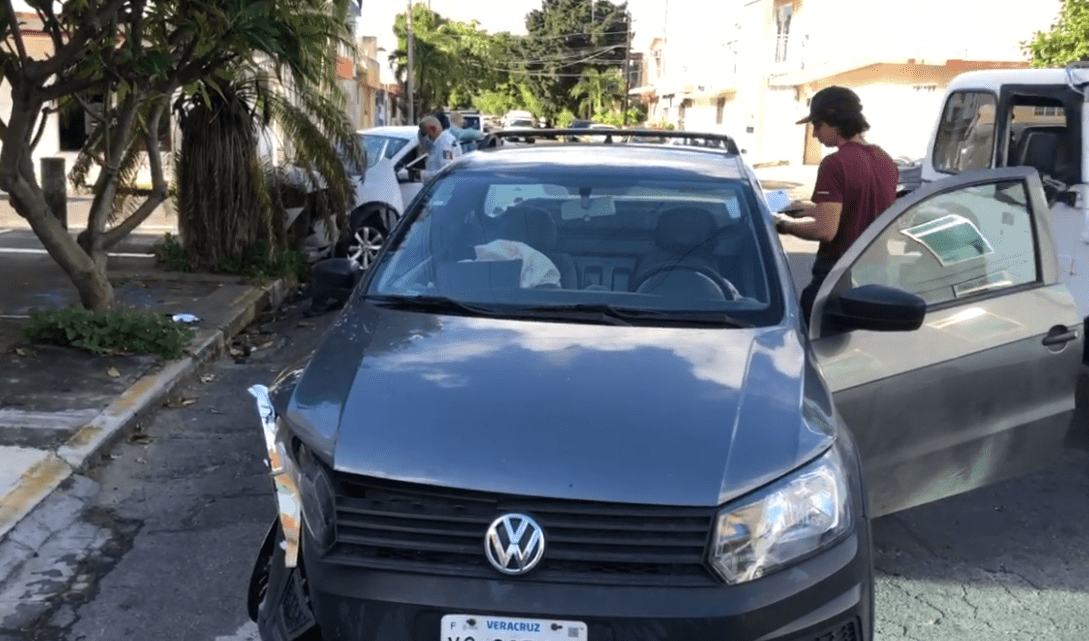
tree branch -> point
(16, 30)
(158, 180)
(74, 48)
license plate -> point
(470, 627)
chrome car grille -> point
(416, 528)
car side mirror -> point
(877, 308)
(331, 283)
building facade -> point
(753, 72)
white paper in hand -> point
(778, 199)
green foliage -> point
(131, 59)
(600, 91)
(616, 118)
(453, 61)
(261, 263)
(1068, 39)
(258, 262)
(563, 119)
(230, 199)
(117, 332)
(566, 39)
(171, 255)
(456, 64)
(496, 101)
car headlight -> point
(800, 514)
(318, 501)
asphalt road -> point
(166, 550)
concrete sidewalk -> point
(62, 409)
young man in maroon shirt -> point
(855, 184)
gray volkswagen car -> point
(574, 400)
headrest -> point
(534, 227)
(685, 229)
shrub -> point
(257, 261)
(118, 332)
(172, 255)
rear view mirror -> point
(588, 208)
(877, 308)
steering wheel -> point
(729, 292)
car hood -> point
(667, 416)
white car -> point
(391, 181)
(519, 119)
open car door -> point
(984, 389)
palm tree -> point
(600, 88)
(229, 200)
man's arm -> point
(822, 216)
(821, 227)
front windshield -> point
(379, 147)
(511, 241)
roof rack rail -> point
(693, 138)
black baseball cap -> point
(830, 102)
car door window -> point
(971, 241)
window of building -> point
(783, 16)
(965, 137)
(75, 124)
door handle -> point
(1060, 335)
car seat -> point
(536, 228)
(684, 235)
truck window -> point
(1038, 137)
(965, 138)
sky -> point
(496, 16)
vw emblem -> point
(514, 543)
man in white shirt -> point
(444, 147)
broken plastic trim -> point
(283, 472)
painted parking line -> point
(25, 250)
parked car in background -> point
(519, 119)
(574, 399)
(473, 120)
(392, 179)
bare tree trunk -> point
(18, 179)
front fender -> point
(380, 187)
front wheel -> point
(365, 238)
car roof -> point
(638, 160)
(993, 78)
(401, 131)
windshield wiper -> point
(624, 315)
(432, 303)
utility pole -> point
(627, 66)
(411, 65)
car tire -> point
(366, 235)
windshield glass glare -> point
(516, 241)
(379, 147)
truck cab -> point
(1024, 117)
